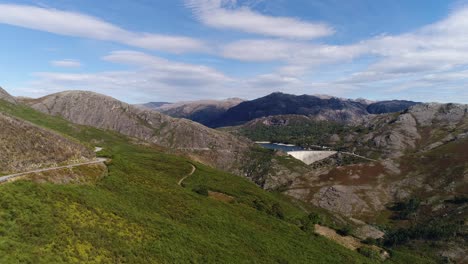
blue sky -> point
(143, 50)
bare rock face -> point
(341, 199)
(213, 147)
(25, 147)
(6, 96)
(423, 150)
(428, 114)
(403, 135)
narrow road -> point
(6, 178)
(356, 155)
(188, 175)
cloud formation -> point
(150, 77)
(398, 62)
(432, 58)
(224, 14)
(66, 63)
(81, 25)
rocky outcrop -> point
(423, 152)
(6, 96)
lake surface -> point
(283, 147)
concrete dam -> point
(310, 156)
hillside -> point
(212, 147)
(417, 187)
(139, 214)
(203, 111)
(384, 107)
(299, 130)
(24, 146)
(6, 96)
(286, 104)
(181, 136)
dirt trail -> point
(188, 175)
(346, 241)
(10, 177)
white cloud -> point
(151, 78)
(66, 63)
(292, 52)
(223, 14)
(81, 25)
(397, 62)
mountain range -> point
(234, 112)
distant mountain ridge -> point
(389, 106)
(202, 111)
(154, 105)
(234, 112)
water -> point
(283, 147)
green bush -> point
(345, 231)
(308, 222)
(277, 211)
(405, 210)
(202, 190)
(369, 252)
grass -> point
(138, 213)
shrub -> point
(405, 210)
(277, 211)
(202, 190)
(369, 252)
(345, 231)
(370, 241)
(260, 205)
(314, 218)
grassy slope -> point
(138, 214)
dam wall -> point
(310, 156)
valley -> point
(139, 206)
(334, 186)
(234, 131)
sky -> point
(182, 50)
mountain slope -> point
(204, 111)
(24, 146)
(139, 214)
(216, 148)
(285, 104)
(6, 96)
(416, 188)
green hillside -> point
(138, 213)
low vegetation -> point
(138, 213)
(298, 131)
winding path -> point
(6, 178)
(188, 175)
